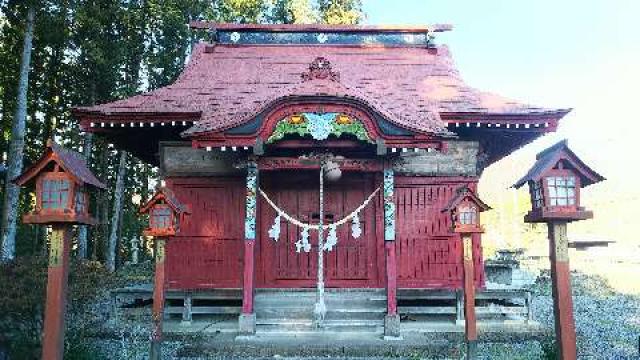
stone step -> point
(302, 326)
(332, 314)
(346, 300)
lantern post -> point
(465, 210)
(62, 181)
(554, 183)
(166, 214)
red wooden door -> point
(352, 263)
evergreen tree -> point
(16, 150)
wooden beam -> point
(248, 278)
(392, 283)
(294, 163)
(470, 330)
(561, 290)
(158, 301)
(56, 303)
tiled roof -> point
(75, 163)
(227, 85)
(70, 161)
(548, 158)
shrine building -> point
(241, 135)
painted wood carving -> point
(319, 126)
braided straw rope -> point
(300, 224)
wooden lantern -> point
(62, 181)
(465, 209)
(165, 214)
(554, 183)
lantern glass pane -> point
(536, 194)
(81, 201)
(468, 215)
(160, 217)
(562, 190)
(55, 194)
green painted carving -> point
(315, 125)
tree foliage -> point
(88, 52)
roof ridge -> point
(211, 25)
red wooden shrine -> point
(255, 100)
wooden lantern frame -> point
(164, 198)
(557, 161)
(464, 199)
(60, 164)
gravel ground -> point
(607, 322)
(608, 328)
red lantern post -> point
(62, 180)
(554, 183)
(165, 215)
(465, 210)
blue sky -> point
(563, 53)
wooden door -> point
(352, 263)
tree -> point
(16, 151)
(117, 210)
(341, 11)
(84, 229)
(293, 12)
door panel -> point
(352, 263)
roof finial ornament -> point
(320, 69)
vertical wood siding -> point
(208, 251)
(429, 255)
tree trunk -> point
(83, 229)
(16, 150)
(115, 217)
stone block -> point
(392, 327)
(247, 324)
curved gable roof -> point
(225, 85)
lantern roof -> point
(549, 158)
(164, 193)
(466, 193)
(70, 161)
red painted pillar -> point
(158, 301)
(561, 288)
(392, 283)
(55, 308)
(470, 330)
(248, 279)
(247, 319)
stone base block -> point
(247, 324)
(391, 327)
(472, 347)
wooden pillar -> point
(561, 289)
(247, 319)
(392, 305)
(56, 303)
(248, 278)
(392, 319)
(158, 302)
(470, 331)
